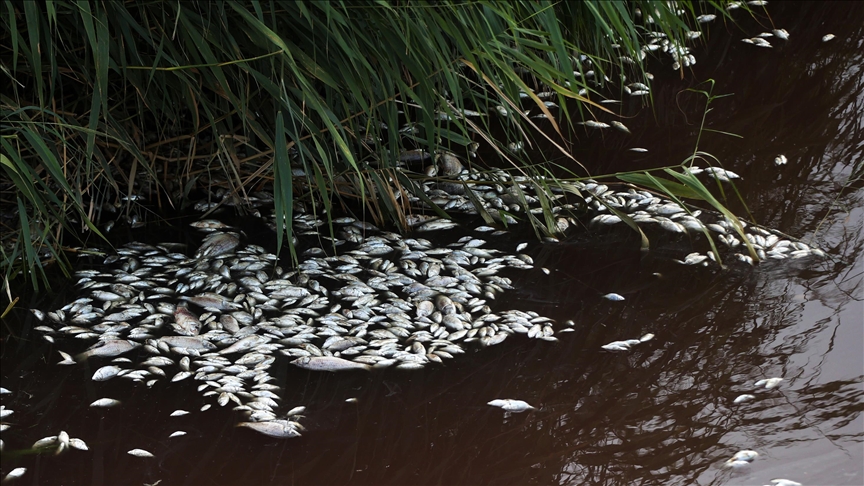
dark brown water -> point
(662, 414)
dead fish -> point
(743, 398)
(217, 244)
(178, 413)
(785, 482)
(105, 403)
(351, 400)
(620, 126)
(111, 347)
(510, 405)
(79, 444)
(106, 373)
(781, 34)
(827, 37)
(280, 429)
(613, 297)
(780, 160)
(15, 474)
(190, 342)
(768, 383)
(638, 149)
(745, 455)
(186, 323)
(5, 412)
(705, 18)
(210, 300)
(244, 344)
(177, 433)
(646, 338)
(4, 391)
(327, 363)
(140, 453)
(594, 124)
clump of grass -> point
(114, 100)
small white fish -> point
(613, 297)
(617, 346)
(106, 373)
(827, 37)
(594, 124)
(178, 413)
(5, 412)
(78, 444)
(737, 464)
(743, 398)
(510, 405)
(620, 126)
(780, 160)
(296, 410)
(785, 482)
(638, 149)
(140, 453)
(105, 402)
(545, 270)
(768, 383)
(781, 34)
(177, 433)
(745, 455)
(351, 400)
(280, 429)
(67, 359)
(646, 338)
(521, 246)
(15, 474)
(702, 19)
(4, 391)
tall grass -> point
(112, 100)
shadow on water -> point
(661, 414)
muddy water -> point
(662, 414)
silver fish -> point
(106, 373)
(613, 297)
(743, 398)
(280, 429)
(105, 402)
(327, 363)
(15, 474)
(186, 322)
(111, 347)
(510, 405)
(140, 453)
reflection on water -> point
(661, 414)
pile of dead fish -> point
(223, 316)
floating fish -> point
(15, 474)
(510, 405)
(780, 160)
(620, 126)
(280, 429)
(4, 391)
(638, 149)
(140, 453)
(178, 413)
(594, 124)
(613, 297)
(785, 482)
(646, 338)
(702, 19)
(327, 363)
(105, 402)
(743, 398)
(106, 373)
(745, 455)
(781, 34)
(768, 383)
(827, 37)
(177, 433)
(112, 347)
